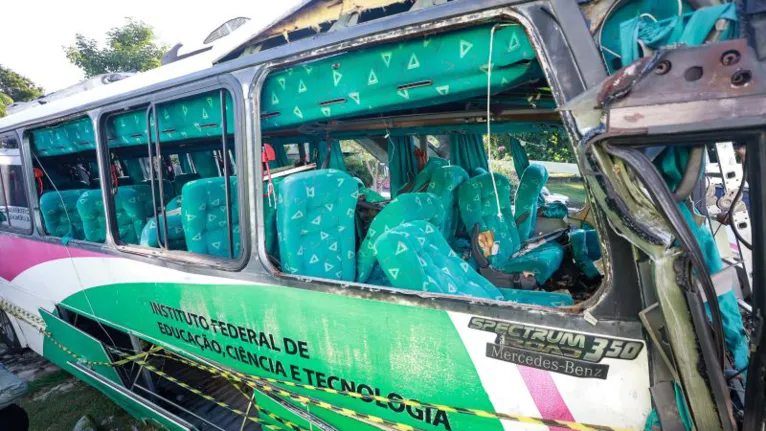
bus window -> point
(14, 206)
(183, 175)
(68, 184)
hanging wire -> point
(489, 114)
(83, 289)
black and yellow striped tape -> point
(238, 376)
(39, 325)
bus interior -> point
(442, 222)
(418, 108)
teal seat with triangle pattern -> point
(176, 238)
(270, 220)
(415, 256)
(130, 211)
(499, 238)
(404, 208)
(423, 178)
(315, 224)
(204, 217)
(60, 216)
(445, 183)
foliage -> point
(15, 87)
(550, 145)
(4, 101)
(130, 48)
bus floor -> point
(204, 414)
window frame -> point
(24, 176)
(442, 24)
(222, 82)
(28, 144)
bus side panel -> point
(34, 275)
(371, 347)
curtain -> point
(205, 164)
(519, 155)
(402, 163)
(185, 165)
(281, 156)
(467, 151)
(133, 169)
(318, 154)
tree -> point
(18, 87)
(4, 101)
(130, 48)
(15, 87)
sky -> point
(35, 32)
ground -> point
(56, 400)
(574, 189)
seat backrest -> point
(444, 184)
(478, 205)
(180, 181)
(526, 200)
(60, 216)
(270, 220)
(424, 176)
(416, 256)
(130, 212)
(150, 235)
(204, 216)
(404, 208)
(144, 194)
(315, 224)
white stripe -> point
(501, 380)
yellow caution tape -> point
(244, 378)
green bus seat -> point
(444, 183)
(315, 221)
(404, 208)
(270, 231)
(415, 256)
(130, 211)
(498, 236)
(204, 217)
(60, 216)
(420, 183)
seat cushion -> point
(586, 250)
(204, 217)
(415, 256)
(543, 261)
(60, 215)
(404, 208)
(315, 224)
(130, 212)
(444, 183)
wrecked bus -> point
(441, 286)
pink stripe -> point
(19, 254)
(546, 395)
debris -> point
(85, 424)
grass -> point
(61, 409)
(575, 191)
